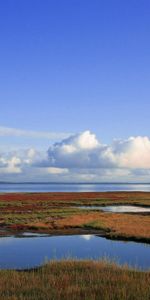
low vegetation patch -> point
(51, 212)
(74, 280)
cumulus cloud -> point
(82, 150)
(11, 165)
(82, 157)
(85, 151)
(132, 153)
(16, 161)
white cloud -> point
(86, 140)
(85, 151)
(16, 161)
(81, 157)
(75, 143)
(132, 153)
(12, 165)
(53, 170)
(78, 151)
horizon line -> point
(54, 182)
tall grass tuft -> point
(76, 280)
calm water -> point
(71, 187)
(118, 208)
(27, 252)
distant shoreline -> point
(79, 183)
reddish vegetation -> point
(63, 196)
(56, 211)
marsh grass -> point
(76, 280)
(71, 279)
(60, 211)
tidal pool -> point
(118, 208)
(28, 252)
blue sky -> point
(71, 66)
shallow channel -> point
(118, 208)
(28, 251)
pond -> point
(31, 251)
(118, 208)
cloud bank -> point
(85, 151)
(81, 157)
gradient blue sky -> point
(74, 65)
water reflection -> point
(126, 208)
(30, 252)
(118, 208)
(87, 237)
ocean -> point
(72, 187)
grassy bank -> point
(60, 212)
(76, 280)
